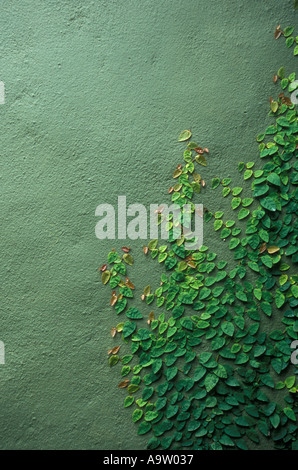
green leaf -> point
(281, 73)
(283, 122)
(201, 160)
(153, 443)
(120, 305)
(162, 257)
(226, 441)
(126, 359)
(125, 371)
(134, 314)
(266, 307)
(128, 328)
(113, 360)
(228, 328)
(243, 213)
(274, 106)
(133, 388)
(136, 416)
(215, 183)
(128, 401)
(225, 233)
(236, 201)
(254, 266)
(128, 259)
(199, 373)
(247, 202)
(105, 277)
(218, 224)
(267, 261)
(114, 281)
(147, 393)
(290, 414)
(210, 382)
(274, 179)
(248, 174)
(191, 146)
(151, 415)
(288, 31)
(171, 373)
(269, 204)
(185, 135)
(236, 191)
(217, 343)
(267, 380)
(260, 190)
(172, 410)
(290, 382)
(234, 242)
(152, 244)
(113, 257)
(279, 299)
(126, 291)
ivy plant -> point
(208, 371)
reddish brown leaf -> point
(286, 100)
(125, 249)
(278, 32)
(263, 248)
(159, 210)
(114, 298)
(191, 264)
(199, 150)
(275, 78)
(199, 212)
(206, 150)
(171, 189)
(114, 350)
(151, 316)
(124, 383)
(113, 332)
(145, 249)
(129, 284)
(103, 268)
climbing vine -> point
(209, 371)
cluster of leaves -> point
(209, 372)
(287, 33)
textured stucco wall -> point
(96, 94)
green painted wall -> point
(96, 94)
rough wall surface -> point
(96, 95)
